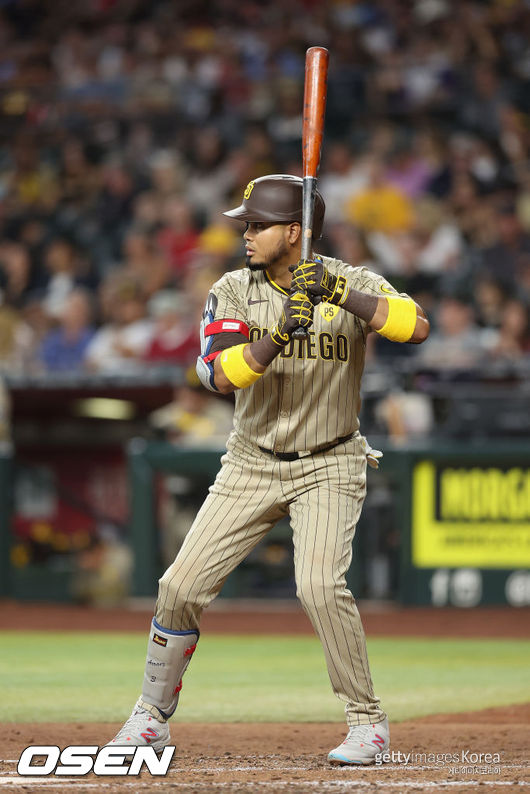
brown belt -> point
(297, 455)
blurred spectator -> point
(407, 171)
(80, 181)
(481, 112)
(341, 179)
(194, 418)
(178, 238)
(63, 348)
(65, 270)
(433, 244)
(350, 245)
(490, 301)
(379, 206)
(166, 173)
(38, 323)
(211, 175)
(103, 570)
(114, 202)
(406, 415)
(285, 121)
(259, 147)
(514, 137)
(220, 240)
(175, 338)
(119, 345)
(456, 341)
(205, 270)
(17, 343)
(29, 183)
(508, 259)
(143, 261)
(147, 211)
(473, 215)
(16, 272)
(513, 340)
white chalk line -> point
(274, 784)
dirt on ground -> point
(453, 752)
(234, 617)
(448, 752)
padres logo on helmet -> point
(248, 190)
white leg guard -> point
(168, 655)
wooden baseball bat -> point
(315, 92)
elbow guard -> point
(205, 371)
(215, 335)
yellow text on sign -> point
(480, 517)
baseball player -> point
(295, 449)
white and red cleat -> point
(362, 744)
(142, 729)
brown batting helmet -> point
(277, 197)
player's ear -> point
(293, 230)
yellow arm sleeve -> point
(236, 368)
(401, 321)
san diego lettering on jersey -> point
(323, 345)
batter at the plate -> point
(295, 450)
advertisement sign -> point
(472, 516)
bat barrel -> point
(315, 92)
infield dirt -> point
(241, 758)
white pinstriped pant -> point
(323, 494)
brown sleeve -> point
(224, 340)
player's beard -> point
(281, 251)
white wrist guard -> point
(168, 655)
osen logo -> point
(248, 190)
(79, 760)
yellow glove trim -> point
(236, 368)
(340, 293)
(401, 320)
(277, 337)
(304, 310)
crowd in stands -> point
(129, 126)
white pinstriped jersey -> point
(310, 395)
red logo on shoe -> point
(148, 735)
(190, 651)
(378, 741)
(178, 687)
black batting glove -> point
(297, 311)
(311, 276)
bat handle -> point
(300, 333)
(308, 207)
